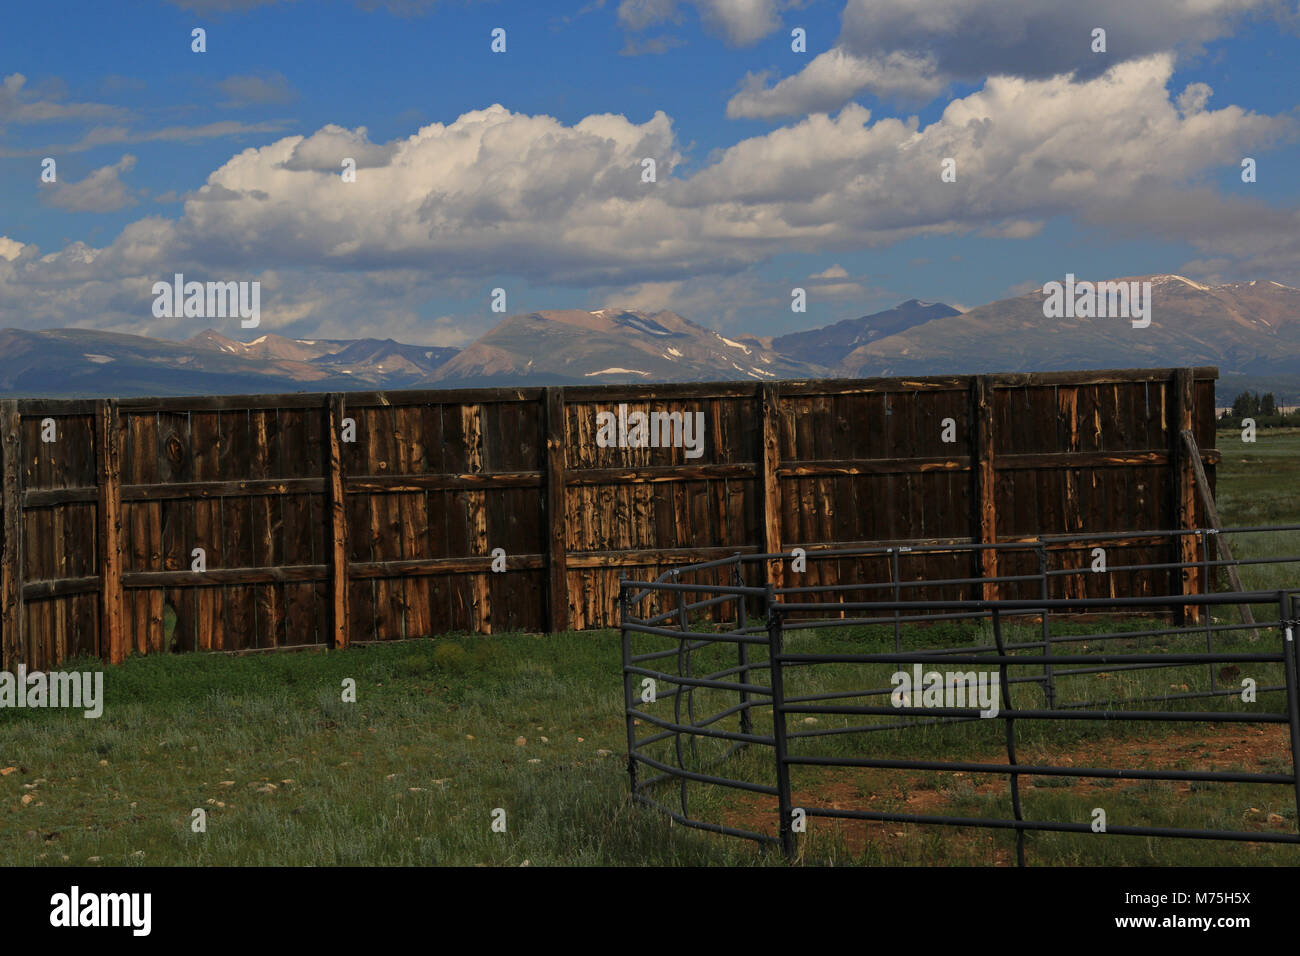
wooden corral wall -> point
(333, 519)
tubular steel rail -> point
(740, 632)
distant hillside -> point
(1250, 330)
(829, 345)
(85, 363)
(612, 345)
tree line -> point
(1262, 408)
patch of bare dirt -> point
(1223, 747)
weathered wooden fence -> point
(334, 519)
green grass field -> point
(445, 732)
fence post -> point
(556, 536)
(1049, 673)
(742, 648)
(1184, 491)
(985, 519)
(628, 692)
(783, 800)
(14, 647)
(1286, 616)
(108, 466)
(339, 637)
(770, 481)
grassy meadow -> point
(444, 732)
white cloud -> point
(10, 248)
(909, 49)
(496, 197)
(831, 79)
(740, 22)
(18, 105)
(101, 191)
(1014, 229)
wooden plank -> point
(557, 606)
(205, 445)
(268, 518)
(876, 466)
(769, 478)
(413, 509)
(234, 460)
(1184, 493)
(480, 566)
(62, 587)
(984, 520)
(12, 615)
(338, 516)
(659, 473)
(404, 484)
(1212, 516)
(241, 488)
(651, 557)
(476, 508)
(108, 457)
(269, 576)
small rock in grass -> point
(605, 753)
(810, 720)
(534, 760)
(521, 741)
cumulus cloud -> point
(101, 191)
(498, 196)
(325, 150)
(907, 49)
(833, 78)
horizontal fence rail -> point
(739, 724)
(261, 523)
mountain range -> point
(1250, 330)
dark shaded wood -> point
(658, 473)
(984, 515)
(268, 576)
(401, 567)
(1182, 487)
(879, 466)
(439, 478)
(338, 518)
(769, 404)
(557, 605)
(108, 453)
(401, 484)
(64, 587)
(13, 646)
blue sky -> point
(776, 169)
